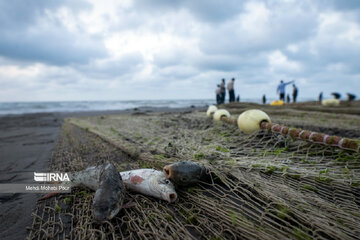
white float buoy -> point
(330, 102)
(211, 110)
(249, 121)
(220, 113)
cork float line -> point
(254, 120)
(314, 137)
(221, 113)
(211, 110)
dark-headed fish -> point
(109, 189)
(109, 197)
(184, 173)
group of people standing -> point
(221, 91)
(281, 91)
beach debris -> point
(221, 113)
(250, 120)
(211, 110)
(150, 182)
(184, 173)
(330, 102)
(108, 186)
(277, 103)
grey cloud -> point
(204, 10)
(225, 47)
(51, 47)
(24, 37)
(230, 63)
(203, 62)
(19, 14)
(346, 5)
(327, 51)
(286, 25)
(107, 69)
(170, 58)
(177, 72)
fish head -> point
(106, 204)
(163, 187)
(184, 173)
(109, 196)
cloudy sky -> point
(179, 49)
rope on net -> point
(294, 133)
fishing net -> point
(262, 186)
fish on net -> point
(262, 186)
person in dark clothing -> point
(288, 98)
(230, 87)
(238, 98)
(336, 95)
(294, 93)
(223, 90)
(218, 94)
(320, 97)
(264, 99)
(351, 97)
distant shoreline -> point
(7, 108)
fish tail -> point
(129, 204)
(46, 196)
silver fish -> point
(150, 182)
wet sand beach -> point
(26, 142)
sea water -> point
(76, 106)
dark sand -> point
(26, 143)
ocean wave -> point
(78, 106)
(75, 106)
